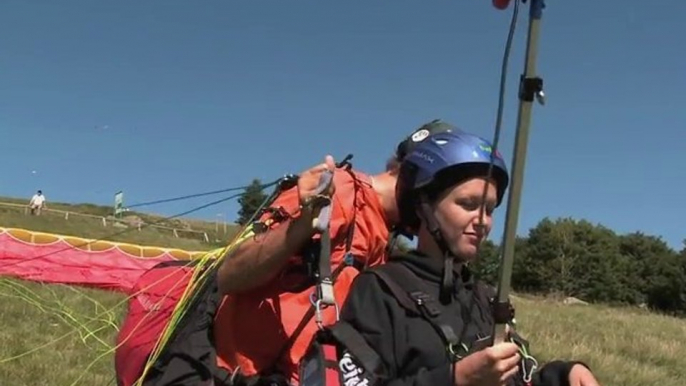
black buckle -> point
(529, 88)
(503, 312)
(288, 181)
(426, 302)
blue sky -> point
(166, 98)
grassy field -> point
(46, 336)
(625, 347)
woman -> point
(422, 314)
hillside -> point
(55, 334)
(86, 220)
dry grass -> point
(625, 347)
(44, 337)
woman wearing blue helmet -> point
(421, 318)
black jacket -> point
(411, 350)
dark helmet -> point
(437, 162)
(434, 127)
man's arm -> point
(258, 260)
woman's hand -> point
(582, 376)
(492, 366)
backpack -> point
(329, 362)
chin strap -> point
(447, 283)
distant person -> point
(37, 203)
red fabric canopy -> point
(45, 257)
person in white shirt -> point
(37, 203)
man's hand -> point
(582, 376)
(492, 366)
(308, 182)
(257, 261)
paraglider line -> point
(148, 203)
(499, 114)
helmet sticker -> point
(487, 150)
(420, 135)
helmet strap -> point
(434, 229)
(392, 241)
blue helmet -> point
(438, 161)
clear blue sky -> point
(166, 98)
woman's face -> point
(457, 211)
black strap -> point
(323, 274)
(412, 295)
(224, 378)
(359, 348)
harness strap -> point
(236, 379)
(304, 321)
(325, 278)
(360, 349)
(412, 295)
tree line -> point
(573, 257)
(591, 262)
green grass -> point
(624, 346)
(44, 339)
(43, 342)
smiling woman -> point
(422, 318)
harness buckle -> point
(326, 294)
(318, 308)
(322, 298)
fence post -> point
(207, 239)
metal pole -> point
(530, 88)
